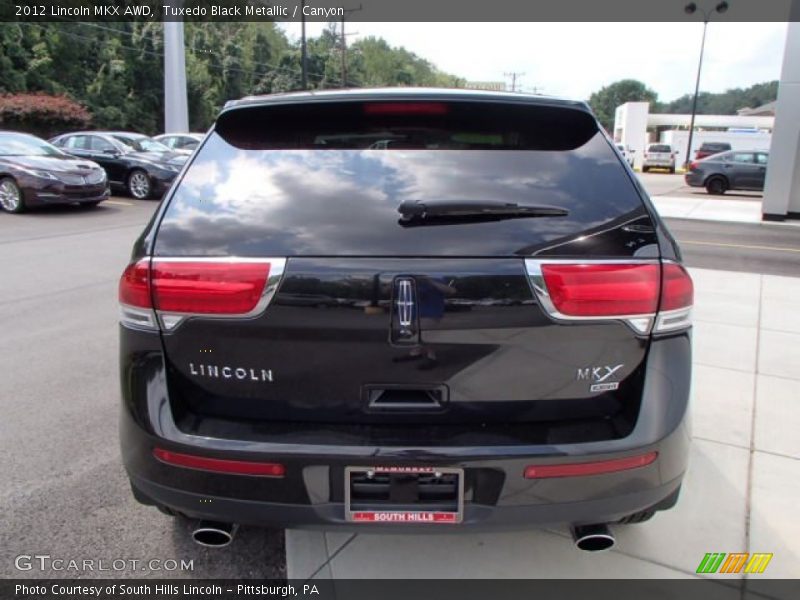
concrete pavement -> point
(739, 496)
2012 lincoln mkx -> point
(406, 310)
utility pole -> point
(514, 75)
(176, 113)
(304, 54)
(345, 13)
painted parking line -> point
(119, 203)
(741, 246)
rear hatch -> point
(659, 152)
(403, 240)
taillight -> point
(405, 108)
(693, 165)
(208, 288)
(218, 465)
(599, 290)
(589, 468)
(646, 295)
(175, 289)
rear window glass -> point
(660, 148)
(320, 180)
(406, 126)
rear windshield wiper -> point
(446, 212)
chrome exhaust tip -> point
(214, 535)
(593, 538)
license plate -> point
(404, 495)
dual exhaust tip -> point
(593, 538)
(213, 534)
(590, 538)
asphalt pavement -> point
(65, 493)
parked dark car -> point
(501, 335)
(734, 170)
(711, 148)
(135, 163)
(180, 142)
(36, 173)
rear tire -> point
(138, 184)
(11, 198)
(716, 186)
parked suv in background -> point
(734, 170)
(500, 337)
(659, 156)
(709, 148)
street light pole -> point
(696, 92)
(690, 9)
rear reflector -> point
(405, 108)
(589, 468)
(218, 465)
(599, 290)
(210, 288)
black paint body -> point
(503, 374)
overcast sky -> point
(576, 59)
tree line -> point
(605, 101)
(115, 70)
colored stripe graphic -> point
(734, 562)
(711, 562)
(758, 562)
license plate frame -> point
(404, 516)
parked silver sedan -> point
(732, 170)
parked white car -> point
(627, 153)
(659, 156)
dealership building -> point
(774, 127)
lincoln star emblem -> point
(405, 303)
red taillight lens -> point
(208, 287)
(217, 465)
(600, 290)
(693, 165)
(589, 468)
(134, 285)
(405, 108)
(678, 289)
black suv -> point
(406, 309)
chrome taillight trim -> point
(659, 322)
(135, 317)
(641, 323)
(169, 321)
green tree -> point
(605, 101)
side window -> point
(77, 142)
(169, 142)
(101, 145)
(762, 159)
(743, 157)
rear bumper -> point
(330, 515)
(312, 491)
(693, 179)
